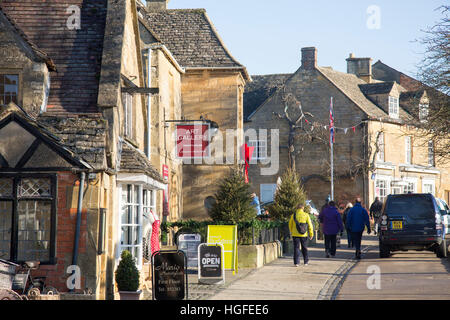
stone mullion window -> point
(9, 88)
(28, 218)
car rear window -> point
(417, 207)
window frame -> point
(429, 182)
(258, 146)
(387, 188)
(53, 198)
(431, 158)
(381, 156)
(408, 150)
(394, 107)
(424, 109)
(16, 72)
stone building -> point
(376, 150)
(82, 143)
(212, 87)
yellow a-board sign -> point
(227, 236)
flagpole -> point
(331, 156)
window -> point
(381, 189)
(28, 218)
(428, 186)
(410, 187)
(130, 218)
(380, 143)
(423, 112)
(9, 88)
(267, 192)
(393, 107)
(431, 153)
(127, 102)
(408, 152)
(260, 151)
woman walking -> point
(332, 225)
(347, 230)
(300, 226)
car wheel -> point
(385, 252)
(442, 250)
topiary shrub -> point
(127, 274)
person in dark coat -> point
(332, 225)
(347, 230)
(357, 219)
(375, 213)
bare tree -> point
(434, 71)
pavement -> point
(281, 280)
(407, 275)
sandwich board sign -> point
(211, 267)
(227, 236)
(189, 242)
(169, 275)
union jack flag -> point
(331, 123)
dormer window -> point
(423, 112)
(9, 88)
(393, 107)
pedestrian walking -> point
(357, 219)
(331, 221)
(375, 213)
(255, 203)
(347, 230)
(300, 226)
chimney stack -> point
(157, 5)
(309, 58)
(361, 67)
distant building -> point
(376, 150)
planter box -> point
(130, 295)
(76, 296)
(255, 256)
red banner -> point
(192, 140)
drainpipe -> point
(149, 102)
(78, 225)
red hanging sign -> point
(192, 141)
(247, 152)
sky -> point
(267, 36)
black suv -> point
(411, 222)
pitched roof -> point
(191, 37)
(377, 88)
(77, 54)
(38, 52)
(348, 84)
(262, 87)
(133, 160)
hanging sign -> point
(211, 268)
(188, 243)
(227, 236)
(169, 276)
(192, 141)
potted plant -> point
(127, 278)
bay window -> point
(28, 218)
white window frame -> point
(127, 101)
(429, 182)
(387, 181)
(431, 156)
(424, 109)
(381, 145)
(393, 107)
(410, 181)
(408, 149)
(260, 151)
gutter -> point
(78, 224)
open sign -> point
(210, 264)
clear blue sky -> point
(267, 36)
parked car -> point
(412, 222)
(445, 213)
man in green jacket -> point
(300, 238)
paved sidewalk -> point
(281, 280)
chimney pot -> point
(309, 58)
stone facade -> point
(361, 109)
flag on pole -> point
(331, 123)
